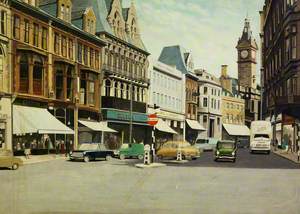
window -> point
(80, 53)
(85, 56)
(38, 74)
(24, 74)
(3, 22)
(204, 119)
(204, 102)
(16, 30)
(107, 88)
(97, 62)
(88, 88)
(36, 35)
(205, 90)
(287, 49)
(44, 38)
(56, 43)
(26, 31)
(62, 11)
(64, 46)
(294, 46)
(92, 58)
(59, 82)
(70, 48)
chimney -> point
(224, 70)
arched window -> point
(122, 90)
(116, 89)
(24, 74)
(107, 88)
(127, 92)
(133, 93)
(138, 94)
(38, 74)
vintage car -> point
(226, 149)
(169, 150)
(8, 160)
(206, 144)
(135, 150)
(92, 151)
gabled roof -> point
(174, 56)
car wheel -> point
(141, 157)
(108, 158)
(15, 166)
(86, 159)
(122, 157)
(233, 160)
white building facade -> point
(167, 91)
(209, 105)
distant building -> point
(209, 104)
(182, 60)
(247, 78)
(167, 91)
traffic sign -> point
(152, 119)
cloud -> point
(210, 29)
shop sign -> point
(125, 116)
(288, 120)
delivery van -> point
(260, 136)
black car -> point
(92, 151)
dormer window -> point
(89, 23)
(64, 10)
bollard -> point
(147, 160)
(179, 154)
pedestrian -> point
(275, 144)
(289, 145)
(56, 147)
(27, 150)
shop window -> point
(3, 22)
(38, 73)
(36, 35)
(26, 30)
(107, 88)
(24, 74)
(16, 27)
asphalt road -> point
(254, 184)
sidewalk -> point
(290, 156)
(41, 158)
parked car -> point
(92, 151)
(207, 144)
(135, 150)
(226, 149)
(8, 160)
(169, 150)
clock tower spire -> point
(247, 48)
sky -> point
(209, 29)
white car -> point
(207, 144)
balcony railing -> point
(115, 70)
(122, 104)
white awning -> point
(194, 124)
(37, 120)
(163, 126)
(97, 126)
(237, 130)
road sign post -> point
(152, 121)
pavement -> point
(292, 156)
(41, 158)
(255, 184)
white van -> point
(260, 136)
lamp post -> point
(130, 113)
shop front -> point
(193, 130)
(120, 121)
(5, 124)
(37, 129)
(239, 133)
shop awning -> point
(28, 120)
(237, 130)
(163, 126)
(194, 124)
(97, 126)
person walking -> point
(289, 145)
(27, 150)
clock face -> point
(244, 54)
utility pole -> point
(131, 105)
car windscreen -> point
(89, 147)
(226, 146)
(201, 141)
(261, 135)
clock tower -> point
(247, 48)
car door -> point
(5, 159)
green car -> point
(132, 151)
(226, 149)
